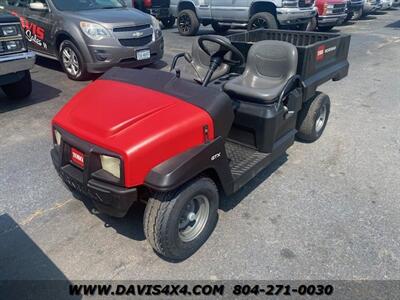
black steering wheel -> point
(218, 58)
(225, 47)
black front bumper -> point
(108, 198)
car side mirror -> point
(39, 6)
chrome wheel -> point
(319, 123)
(193, 218)
(259, 23)
(184, 23)
(70, 61)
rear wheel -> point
(262, 20)
(188, 24)
(168, 22)
(220, 29)
(313, 118)
(178, 223)
(358, 14)
(19, 89)
(311, 25)
(325, 28)
(72, 61)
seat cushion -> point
(268, 93)
(270, 64)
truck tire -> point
(357, 15)
(188, 24)
(20, 89)
(168, 22)
(220, 29)
(179, 222)
(325, 28)
(313, 118)
(311, 25)
(262, 20)
(72, 61)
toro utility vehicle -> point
(178, 144)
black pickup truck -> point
(15, 59)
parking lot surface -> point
(327, 210)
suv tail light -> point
(147, 3)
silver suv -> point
(254, 13)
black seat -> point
(269, 66)
(201, 60)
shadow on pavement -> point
(130, 226)
(394, 24)
(40, 93)
(26, 272)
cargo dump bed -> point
(322, 56)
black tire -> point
(308, 131)
(262, 20)
(325, 28)
(163, 216)
(220, 29)
(357, 15)
(311, 25)
(20, 89)
(348, 17)
(168, 22)
(82, 73)
(187, 21)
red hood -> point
(144, 126)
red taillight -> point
(147, 3)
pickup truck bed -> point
(322, 56)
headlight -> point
(156, 28)
(57, 136)
(94, 31)
(9, 30)
(111, 165)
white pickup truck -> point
(221, 14)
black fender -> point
(208, 157)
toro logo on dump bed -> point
(322, 50)
(77, 157)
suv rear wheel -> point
(19, 89)
(72, 61)
(168, 22)
(262, 20)
(188, 24)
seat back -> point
(270, 63)
(201, 61)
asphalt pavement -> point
(327, 210)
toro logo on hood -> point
(77, 157)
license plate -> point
(143, 54)
(77, 157)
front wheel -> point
(72, 61)
(19, 89)
(179, 222)
(188, 24)
(262, 20)
(313, 118)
